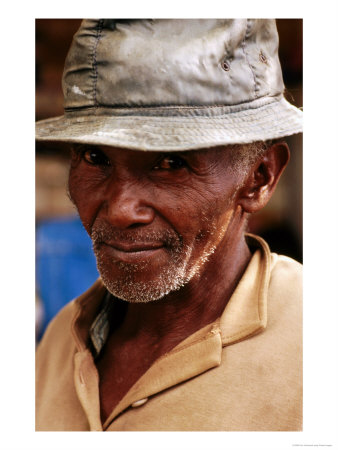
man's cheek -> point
(83, 201)
(82, 189)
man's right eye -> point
(95, 158)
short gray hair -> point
(243, 156)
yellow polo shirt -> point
(241, 373)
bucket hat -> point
(167, 85)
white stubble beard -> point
(171, 278)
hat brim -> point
(175, 128)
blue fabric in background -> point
(65, 264)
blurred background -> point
(65, 264)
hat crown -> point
(169, 62)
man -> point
(175, 129)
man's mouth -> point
(132, 247)
(131, 252)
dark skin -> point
(193, 194)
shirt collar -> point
(246, 312)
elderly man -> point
(175, 129)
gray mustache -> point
(102, 233)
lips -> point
(131, 252)
(134, 247)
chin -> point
(143, 284)
(141, 292)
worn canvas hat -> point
(166, 85)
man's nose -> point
(127, 205)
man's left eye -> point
(170, 162)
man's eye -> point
(96, 158)
(170, 162)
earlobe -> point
(263, 178)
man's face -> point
(154, 218)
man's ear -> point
(263, 177)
